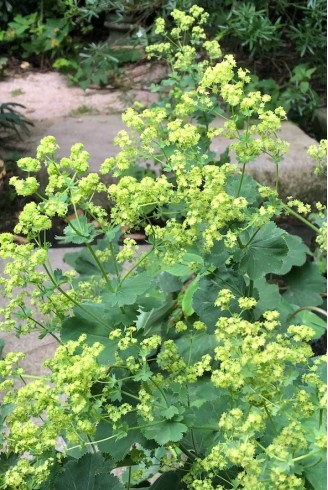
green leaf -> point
(75, 326)
(150, 320)
(106, 482)
(315, 475)
(269, 297)
(217, 256)
(167, 431)
(203, 302)
(183, 270)
(78, 231)
(296, 255)
(249, 189)
(91, 472)
(188, 297)
(129, 290)
(265, 253)
(169, 283)
(311, 320)
(304, 285)
(118, 448)
(193, 348)
(169, 413)
(205, 296)
(170, 480)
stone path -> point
(49, 104)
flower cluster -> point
(63, 402)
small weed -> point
(83, 110)
(16, 92)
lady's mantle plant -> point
(194, 363)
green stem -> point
(102, 270)
(309, 308)
(240, 243)
(270, 418)
(205, 427)
(311, 453)
(301, 218)
(115, 435)
(241, 179)
(277, 178)
(92, 444)
(129, 478)
(187, 452)
(160, 390)
(44, 328)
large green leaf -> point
(168, 481)
(296, 255)
(129, 290)
(209, 287)
(269, 297)
(203, 302)
(149, 321)
(265, 253)
(316, 474)
(118, 448)
(192, 349)
(304, 285)
(169, 283)
(207, 403)
(166, 431)
(74, 327)
(249, 189)
(90, 472)
(217, 256)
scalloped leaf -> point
(304, 285)
(91, 472)
(297, 251)
(166, 431)
(265, 253)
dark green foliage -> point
(12, 122)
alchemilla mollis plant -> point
(187, 363)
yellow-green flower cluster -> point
(224, 299)
(128, 251)
(262, 352)
(319, 155)
(321, 239)
(63, 401)
(26, 187)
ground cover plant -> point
(189, 361)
